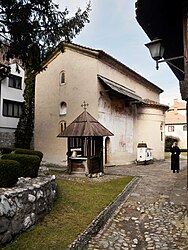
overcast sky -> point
(113, 28)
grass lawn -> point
(167, 155)
(77, 205)
(184, 153)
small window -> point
(170, 128)
(161, 136)
(161, 126)
(62, 78)
(63, 108)
(184, 127)
(15, 82)
(12, 108)
(63, 126)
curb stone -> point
(94, 227)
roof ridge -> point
(88, 126)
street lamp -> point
(156, 48)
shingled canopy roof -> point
(85, 125)
(129, 94)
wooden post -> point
(187, 140)
(185, 45)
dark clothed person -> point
(175, 163)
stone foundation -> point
(7, 139)
(24, 205)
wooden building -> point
(85, 144)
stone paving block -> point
(155, 214)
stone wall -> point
(26, 203)
(7, 139)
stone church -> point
(124, 102)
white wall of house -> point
(11, 94)
(176, 122)
(179, 132)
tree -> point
(169, 141)
(34, 28)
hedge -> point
(4, 150)
(29, 164)
(28, 152)
(8, 173)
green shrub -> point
(28, 152)
(6, 150)
(29, 164)
(169, 141)
(183, 150)
(8, 173)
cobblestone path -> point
(154, 215)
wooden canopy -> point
(128, 94)
(85, 125)
(164, 19)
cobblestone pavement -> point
(155, 214)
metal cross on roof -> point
(84, 105)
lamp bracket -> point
(171, 59)
(169, 62)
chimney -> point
(175, 106)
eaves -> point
(156, 105)
(105, 58)
(175, 123)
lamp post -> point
(157, 49)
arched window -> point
(63, 125)
(63, 108)
(62, 77)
